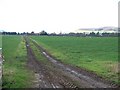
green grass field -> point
(0, 41)
(96, 54)
(15, 73)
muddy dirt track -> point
(55, 74)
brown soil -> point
(56, 74)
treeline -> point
(9, 33)
(92, 34)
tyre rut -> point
(46, 77)
(82, 77)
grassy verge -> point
(99, 55)
(15, 72)
(0, 41)
(38, 53)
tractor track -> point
(59, 75)
(46, 77)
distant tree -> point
(4, 33)
(53, 34)
(9, 33)
(32, 32)
(97, 34)
(72, 34)
(23, 33)
(118, 34)
(92, 34)
(43, 33)
(105, 34)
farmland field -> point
(15, 74)
(0, 41)
(99, 55)
(0, 61)
(27, 64)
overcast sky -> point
(57, 15)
